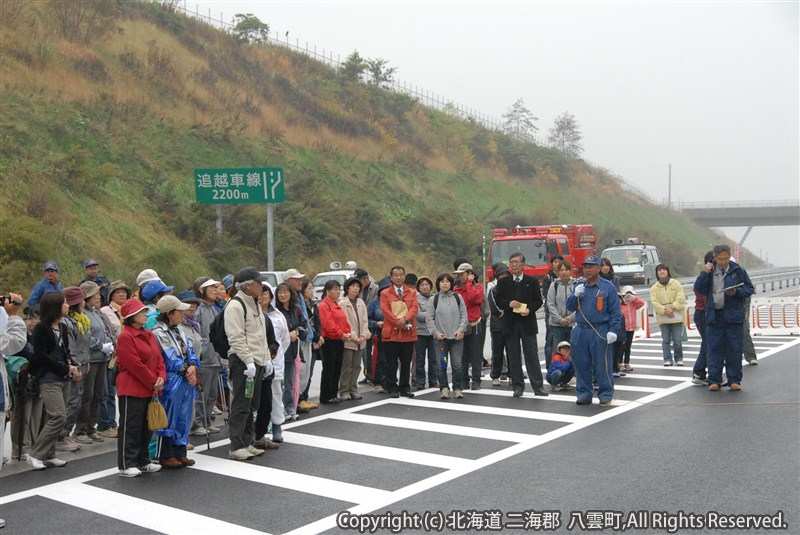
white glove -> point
(107, 348)
(579, 290)
(611, 338)
(250, 371)
(268, 368)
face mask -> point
(629, 298)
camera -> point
(7, 299)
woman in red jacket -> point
(335, 331)
(141, 375)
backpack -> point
(216, 333)
(436, 300)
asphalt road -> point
(488, 461)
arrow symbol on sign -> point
(275, 179)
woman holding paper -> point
(669, 303)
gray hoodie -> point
(449, 316)
(557, 302)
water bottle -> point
(249, 386)
(443, 358)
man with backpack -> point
(246, 334)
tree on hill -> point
(519, 120)
(353, 67)
(565, 135)
(379, 71)
(250, 29)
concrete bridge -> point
(743, 214)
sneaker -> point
(242, 454)
(212, 429)
(190, 446)
(394, 395)
(504, 377)
(581, 401)
(605, 402)
(667, 363)
(36, 464)
(678, 363)
(407, 394)
(215, 412)
(753, 362)
(67, 445)
(150, 468)
(82, 439)
(185, 461)
(265, 444)
(308, 405)
(458, 394)
(108, 433)
(699, 381)
(476, 385)
(445, 393)
(623, 374)
(96, 437)
(557, 388)
(379, 389)
(364, 381)
(255, 451)
(130, 472)
(199, 432)
(616, 374)
(56, 462)
(301, 410)
(419, 387)
(496, 382)
(735, 387)
(356, 397)
(713, 387)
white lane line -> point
(139, 512)
(486, 434)
(632, 388)
(637, 375)
(668, 369)
(305, 483)
(37, 491)
(381, 452)
(455, 405)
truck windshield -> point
(624, 257)
(535, 251)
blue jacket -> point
(733, 309)
(178, 395)
(374, 315)
(41, 288)
(598, 306)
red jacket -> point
(473, 297)
(333, 320)
(140, 363)
(629, 312)
(390, 331)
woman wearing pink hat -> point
(141, 375)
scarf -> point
(84, 325)
(664, 283)
(191, 322)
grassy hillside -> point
(101, 131)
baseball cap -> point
(292, 274)
(146, 276)
(463, 268)
(90, 262)
(250, 274)
(50, 265)
(168, 303)
(360, 273)
(592, 259)
(563, 344)
(189, 297)
(153, 288)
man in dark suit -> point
(519, 297)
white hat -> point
(210, 282)
(292, 274)
(560, 344)
(463, 268)
(146, 276)
(168, 303)
(626, 290)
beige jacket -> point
(357, 320)
(246, 336)
(671, 294)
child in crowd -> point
(561, 371)
(629, 304)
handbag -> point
(156, 416)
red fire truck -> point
(539, 243)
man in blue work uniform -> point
(726, 285)
(598, 319)
(49, 283)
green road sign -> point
(239, 186)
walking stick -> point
(205, 416)
(222, 397)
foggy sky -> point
(711, 88)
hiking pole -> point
(205, 416)
(222, 397)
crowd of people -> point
(82, 363)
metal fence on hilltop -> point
(425, 97)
